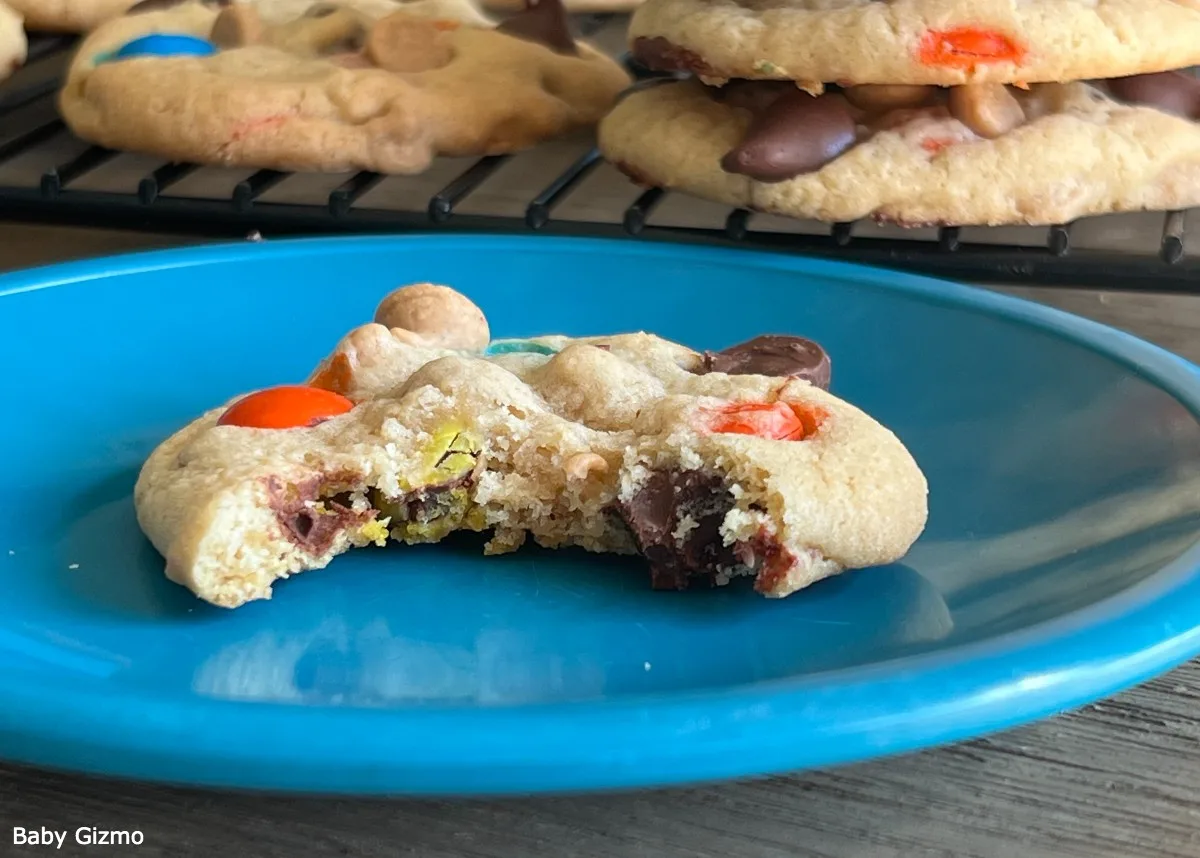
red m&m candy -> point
(286, 407)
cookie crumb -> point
(73, 566)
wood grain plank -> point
(1107, 780)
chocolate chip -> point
(753, 95)
(1173, 91)
(669, 499)
(302, 524)
(795, 134)
(431, 502)
(314, 531)
(775, 355)
(878, 98)
(543, 22)
(658, 54)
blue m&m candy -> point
(163, 45)
(509, 347)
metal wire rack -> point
(565, 188)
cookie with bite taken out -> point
(710, 465)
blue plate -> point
(1059, 563)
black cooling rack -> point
(1054, 257)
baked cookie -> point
(710, 465)
(68, 16)
(12, 41)
(333, 86)
(79, 16)
(984, 154)
(576, 6)
(942, 42)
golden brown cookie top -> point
(296, 84)
(943, 42)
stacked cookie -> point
(13, 47)
(918, 112)
(359, 84)
(68, 16)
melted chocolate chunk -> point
(658, 54)
(1173, 92)
(654, 515)
(429, 502)
(311, 529)
(753, 95)
(543, 22)
(776, 355)
(795, 134)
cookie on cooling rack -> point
(68, 16)
(12, 41)
(983, 154)
(709, 465)
(917, 112)
(360, 84)
(942, 42)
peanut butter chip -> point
(880, 97)
(236, 27)
(579, 466)
(988, 109)
(432, 315)
(404, 43)
(324, 29)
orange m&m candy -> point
(286, 407)
(776, 421)
(967, 47)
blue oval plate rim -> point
(824, 719)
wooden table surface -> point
(1117, 779)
